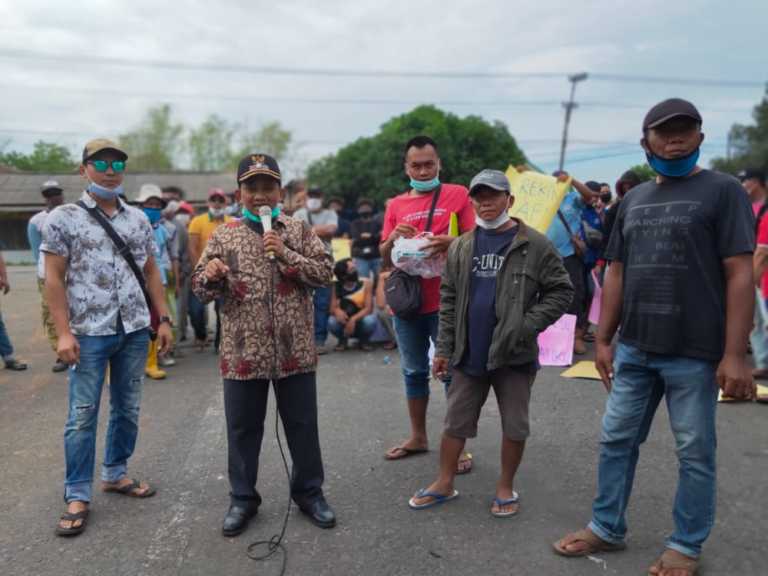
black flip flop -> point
(71, 517)
(130, 490)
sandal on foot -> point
(134, 489)
(400, 452)
(464, 464)
(501, 502)
(594, 544)
(436, 499)
(72, 517)
(674, 560)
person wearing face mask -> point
(503, 284)
(351, 306)
(264, 277)
(102, 320)
(200, 230)
(324, 223)
(406, 216)
(366, 236)
(151, 202)
(680, 290)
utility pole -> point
(569, 106)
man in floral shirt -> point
(102, 319)
(265, 280)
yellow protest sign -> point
(342, 248)
(537, 197)
(584, 369)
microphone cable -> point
(275, 543)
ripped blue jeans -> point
(126, 355)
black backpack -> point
(402, 290)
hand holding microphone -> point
(273, 244)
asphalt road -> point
(182, 451)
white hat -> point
(148, 191)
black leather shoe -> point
(59, 366)
(236, 520)
(320, 513)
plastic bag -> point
(408, 255)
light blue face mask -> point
(673, 168)
(104, 193)
(425, 185)
(255, 217)
(154, 215)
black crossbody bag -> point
(402, 290)
(125, 252)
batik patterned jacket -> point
(267, 319)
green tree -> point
(373, 166)
(155, 144)
(644, 172)
(748, 144)
(45, 157)
(210, 145)
(271, 138)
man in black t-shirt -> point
(680, 286)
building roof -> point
(21, 191)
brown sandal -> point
(72, 517)
(594, 544)
(674, 560)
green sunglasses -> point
(103, 165)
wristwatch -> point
(166, 320)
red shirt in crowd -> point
(762, 240)
(414, 210)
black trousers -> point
(578, 274)
(245, 406)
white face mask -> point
(183, 218)
(314, 204)
(216, 212)
(497, 222)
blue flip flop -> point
(501, 502)
(438, 499)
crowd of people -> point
(675, 258)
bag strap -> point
(122, 249)
(436, 195)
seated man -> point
(351, 306)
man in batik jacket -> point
(266, 280)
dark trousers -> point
(577, 273)
(197, 317)
(245, 406)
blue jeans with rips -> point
(689, 385)
(126, 355)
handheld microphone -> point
(265, 213)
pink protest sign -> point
(556, 342)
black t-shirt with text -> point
(672, 238)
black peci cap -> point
(668, 109)
(256, 164)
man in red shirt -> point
(407, 216)
(754, 183)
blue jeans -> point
(322, 302)
(6, 349)
(641, 379)
(759, 336)
(364, 328)
(368, 268)
(126, 355)
(413, 338)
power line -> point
(360, 73)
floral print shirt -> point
(100, 285)
(267, 314)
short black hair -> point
(174, 190)
(315, 191)
(365, 202)
(340, 268)
(338, 199)
(419, 141)
(592, 185)
(604, 184)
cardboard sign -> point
(556, 342)
(342, 248)
(537, 197)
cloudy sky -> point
(73, 70)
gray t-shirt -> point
(321, 218)
(672, 239)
